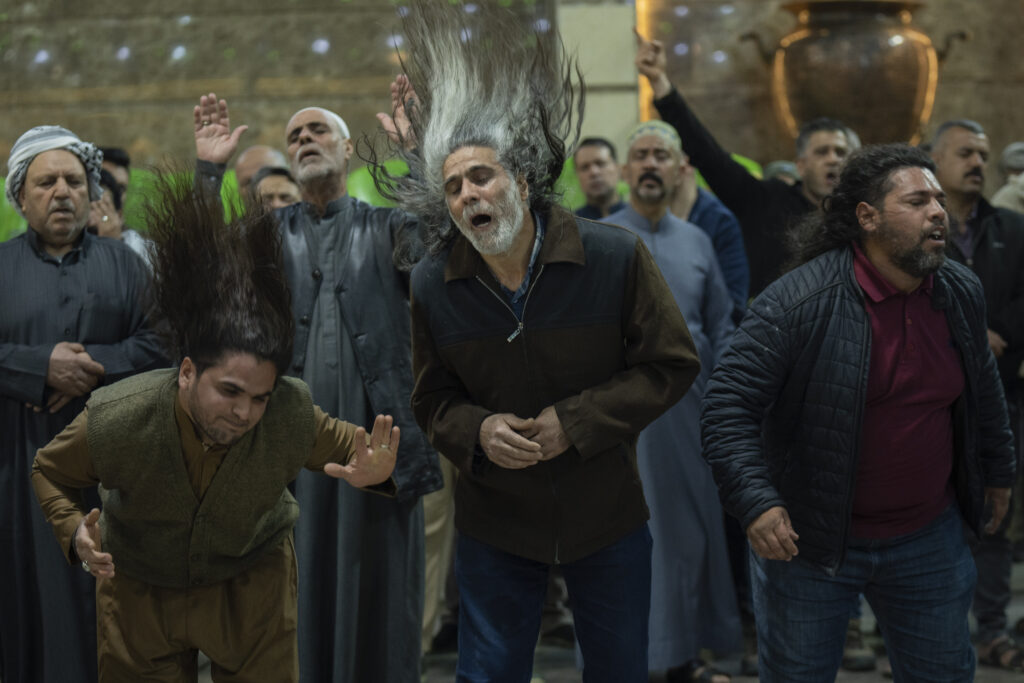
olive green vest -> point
(152, 523)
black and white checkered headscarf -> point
(42, 139)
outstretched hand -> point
(374, 461)
(397, 124)
(87, 547)
(215, 141)
(651, 62)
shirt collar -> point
(562, 243)
(874, 284)
(32, 237)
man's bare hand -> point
(374, 460)
(71, 372)
(547, 431)
(397, 124)
(501, 437)
(651, 62)
(996, 343)
(999, 500)
(215, 141)
(771, 535)
(88, 547)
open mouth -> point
(307, 154)
(938, 235)
(481, 220)
(832, 178)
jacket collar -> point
(562, 243)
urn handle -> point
(947, 44)
(767, 54)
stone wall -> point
(128, 74)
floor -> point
(558, 665)
(554, 665)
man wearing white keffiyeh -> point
(71, 320)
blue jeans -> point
(919, 586)
(501, 597)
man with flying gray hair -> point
(544, 438)
(71, 320)
(360, 555)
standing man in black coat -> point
(990, 242)
(856, 423)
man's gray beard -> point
(507, 215)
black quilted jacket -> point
(782, 413)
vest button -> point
(297, 367)
(304, 320)
(317, 274)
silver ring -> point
(85, 566)
(207, 122)
(105, 219)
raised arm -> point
(215, 141)
(728, 179)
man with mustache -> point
(765, 209)
(360, 556)
(990, 241)
(542, 344)
(72, 319)
(686, 517)
(856, 423)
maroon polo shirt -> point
(915, 376)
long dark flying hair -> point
(219, 286)
(866, 177)
(480, 79)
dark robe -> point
(91, 296)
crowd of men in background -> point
(809, 377)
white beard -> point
(506, 223)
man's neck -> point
(893, 275)
(321, 191)
(816, 201)
(686, 197)
(605, 204)
(960, 206)
(652, 212)
(510, 267)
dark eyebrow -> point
(228, 384)
(471, 170)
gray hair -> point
(481, 80)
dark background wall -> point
(128, 73)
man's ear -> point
(868, 217)
(524, 188)
(186, 373)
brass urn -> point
(859, 61)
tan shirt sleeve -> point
(60, 470)
(335, 442)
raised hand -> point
(88, 547)
(373, 462)
(651, 62)
(397, 124)
(771, 535)
(72, 371)
(502, 440)
(215, 141)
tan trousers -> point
(439, 528)
(246, 625)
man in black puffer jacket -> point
(856, 423)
